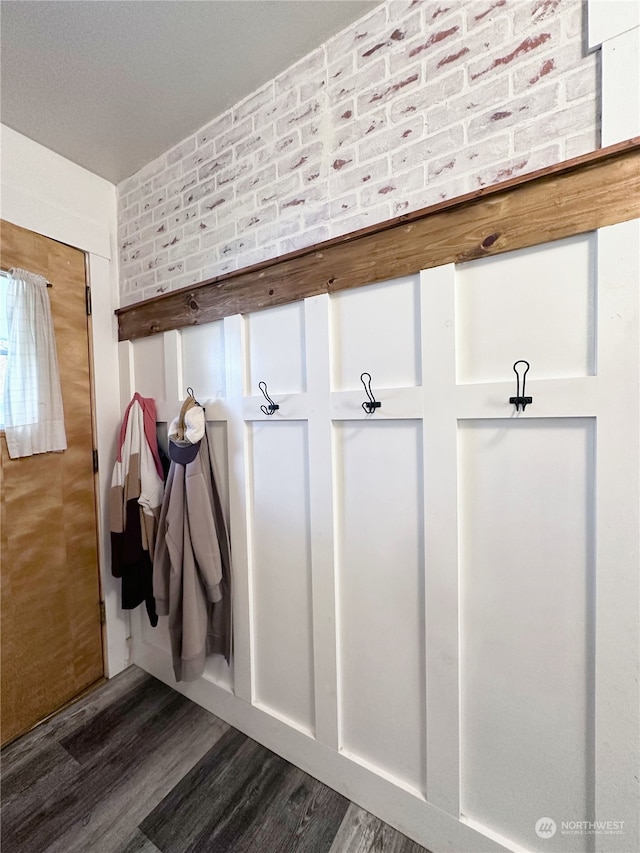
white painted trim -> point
(617, 608)
(440, 453)
(621, 88)
(239, 490)
(607, 19)
(321, 502)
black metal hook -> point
(272, 407)
(520, 399)
(192, 395)
(371, 404)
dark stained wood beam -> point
(579, 195)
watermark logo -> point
(546, 827)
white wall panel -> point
(536, 304)
(281, 571)
(381, 596)
(276, 350)
(376, 329)
(203, 366)
(149, 367)
(526, 625)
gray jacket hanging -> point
(192, 566)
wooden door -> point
(51, 634)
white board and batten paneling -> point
(435, 605)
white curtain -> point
(34, 420)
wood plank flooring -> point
(134, 767)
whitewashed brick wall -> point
(417, 102)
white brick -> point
(583, 82)
(171, 206)
(349, 179)
(398, 136)
(154, 201)
(197, 226)
(221, 234)
(389, 189)
(302, 156)
(492, 94)
(128, 213)
(431, 94)
(254, 102)
(200, 156)
(307, 238)
(216, 201)
(357, 130)
(531, 15)
(168, 241)
(254, 142)
(257, 256)
(270, 112)
(556, 125)
(185, 250)
(181, 151)
(141, 252)
(214, 166)
(444, 35)
(170, 271)
(518, 166)
(514, 112)
(161, 181)
(480, 13)
(297, 117)
(524, 46)
(215, 129)
(234, 247)
(580, 144)
(494, 36)
(234, 135)
(472, 158)
(309, 65)
(231, 175)
(128, 185)
(347, 87)
(545, 68)
(152, 169)
(140, 282)
(510, 71)
(183, 183)
(282, 227)
(363, 219)
(279, 189)
(390, 44)
(140, 222)
(260, 216)
(199, 192)
(411, 78)
(431, 146)
(350, 39)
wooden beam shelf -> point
(579, 195)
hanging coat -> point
(192, 568)
(137, 486)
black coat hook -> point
(272, 407)
(192, 395)
(520, 399)
(371, 404)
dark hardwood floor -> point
(134, 767)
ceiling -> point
(111, 84)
